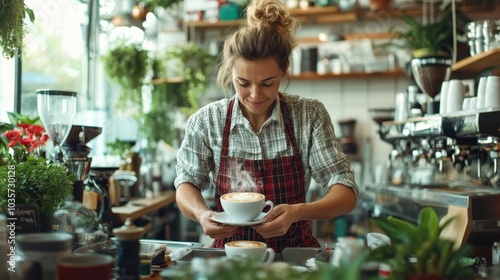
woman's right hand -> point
(213, 229)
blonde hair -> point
(270, 32)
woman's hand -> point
(278, 221)
(213, 229)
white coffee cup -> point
(473, 103)
(242, 207)
(249, 249)
(456, 93)
(444, 97)
(481, 92)
(492, 92)
(466, 104)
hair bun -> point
(273, 13)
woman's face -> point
(257, 83)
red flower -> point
(36, 130)
(13, 135)
(29, 137)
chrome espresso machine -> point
(449, 162)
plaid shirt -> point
(199, 155)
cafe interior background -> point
(337, 62)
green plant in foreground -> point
(419, 249)
(36, 182)
(12, 25)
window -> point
(54, 51)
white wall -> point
(351, 98)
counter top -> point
(442, 195)
(139, 207)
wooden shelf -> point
(315, 11)
(139, 207)
(319, 14)
(473, 65)
(352, 75)
(216, 24)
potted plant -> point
(26, 178)
(417, 250)
(177, 92)
(126, 63)
(433, 39)
(12, 25)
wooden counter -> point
(139, 207)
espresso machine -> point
(449, 162)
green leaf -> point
(398, 230)
(30, 13)
(428, 223)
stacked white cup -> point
(455, 98)
(481, 91)
(444, 97)
(492, 93)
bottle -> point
(415, 107)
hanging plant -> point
(12, 25)
(126, 63)
(195, 66)
(152, 4)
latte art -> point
(243, 196)
(245, 244)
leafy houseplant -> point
(25, 173)
(36, 182)
(127, 64)
(12, 25)
(430, 39)
(419, 249)
(193, 66)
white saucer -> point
(222, 218)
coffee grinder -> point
(74, 218)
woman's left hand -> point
(278, 221)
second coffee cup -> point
(244, 207)
(249, 249)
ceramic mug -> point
(83, 267)
(492, 93)
(481, 92)
(443, 97)
(456, 93)
(242, 207)
(249, 249)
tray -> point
(105, 247)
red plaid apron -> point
(282, 182)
